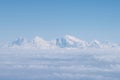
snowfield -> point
(59, 64)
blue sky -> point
(86, 19)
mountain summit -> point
(70, 42)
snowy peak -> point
(95, 44)
(19, 41)
(108, 44)
(40, 43)
(71, 38)
(70, 42)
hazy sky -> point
(86, 19)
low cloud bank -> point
(59, 64)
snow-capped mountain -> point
(70, 42)
(20, 43)
(39, 42)
(66, 41)
(108, 44)
(95, 44)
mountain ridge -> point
(67, 41)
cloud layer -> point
(59, 64)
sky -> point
(85, 19)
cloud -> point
(60, 64)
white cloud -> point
(59, 64)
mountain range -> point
(66, 41)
